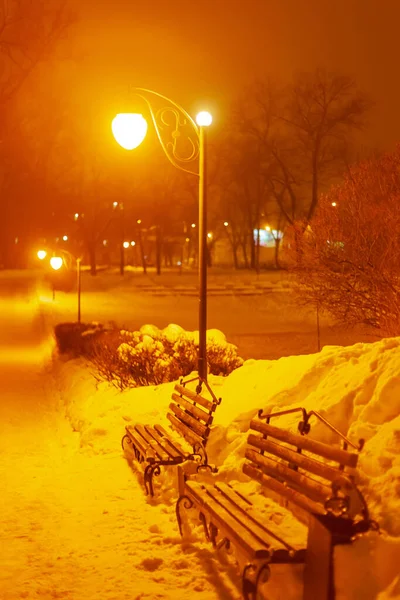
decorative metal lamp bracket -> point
(177, 132)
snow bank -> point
(356, 388)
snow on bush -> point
(153, 356)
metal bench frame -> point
(336, 512)
(191, 415)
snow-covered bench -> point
(315, 481)
(191, 416)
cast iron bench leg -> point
(150, 470)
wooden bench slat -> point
(247, 507)
(164, 442)
(281, 489)
(189, 435)
(197, 412)
(138, 441)
(304, 462)
(189, 421)
(228, 503)
(208, 404)
(155, 446)
(313, 489)
(176, 445)
(343, 457)
(222, 519)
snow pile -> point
(356, 388)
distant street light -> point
(65, 238)
(56, 262)
(126, 245)
(226, 223)
(41, 254)
(170, 121)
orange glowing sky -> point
(201, 53)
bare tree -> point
(321, 112)
(29, 31)
(305, 130)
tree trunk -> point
(122, 260)
(277, 248)
(235, 256)
(252, 250)
(245, 257)
(142, 255)
(158, 250)
(298, 247)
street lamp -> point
(170, 121)
(56, 262)
(41, 254)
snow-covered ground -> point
(75, 522)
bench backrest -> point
(191, 415)
(315, 476)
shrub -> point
(150, 356)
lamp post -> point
(184, 143)
(56, 262)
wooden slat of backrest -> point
(348, 459)
(311, 488)
(187, 433)
(304, 462)
(195, 411)
(207, 404)
(284, 491)
(189, 421)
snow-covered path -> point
(72, 525)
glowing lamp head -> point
(56, 262)
(126, 244)
(41, 254)
(129, 130)
(204, 119)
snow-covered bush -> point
(152, 356)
